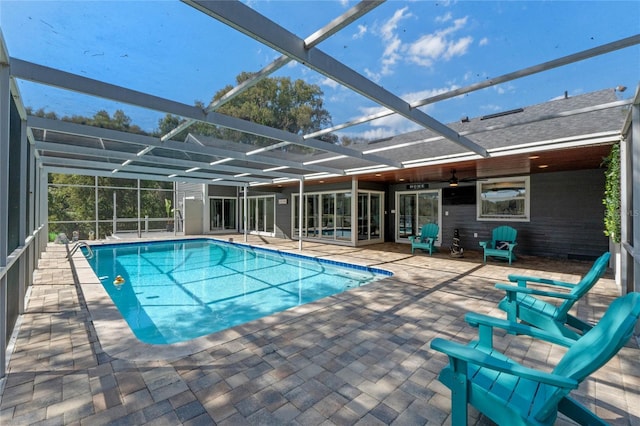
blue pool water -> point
(175, 291)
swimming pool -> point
(173, 291)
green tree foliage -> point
(612, 194)
(72, 197)
(294, 106)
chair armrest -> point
(476, 357)
(524, 279)
(526, 290)
(412, 238)
(484, 244)
(512, 245)
(488, 322)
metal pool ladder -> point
(77, 246)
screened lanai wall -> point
(22, 212)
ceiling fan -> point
(453, 181)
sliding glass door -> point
(329, 216)
(414, 209)
(369, 220)
(222, 214)
(260, 215)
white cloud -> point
(388, 28)
(458, 48)
(372, 75)
(427, 93)
(439, 45)
(492, 107)
(329, 82)
(362, 30)
(391, 40)
(503, 88)
(484, 41)
(394, 124)
(444, 18)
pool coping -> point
(118, 340)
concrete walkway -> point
(361, 357)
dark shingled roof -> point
(530, 124)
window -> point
(504, 199)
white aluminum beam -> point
(99, 165)
(200, 140)
(322, 34)
(155, 160)
(249, 22)
(5, 120)
(545, 66)
(105, 173)
(149, 141)
(53, 77)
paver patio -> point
(360, 357)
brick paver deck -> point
(361, 357)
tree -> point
(294, 106)
(72, 197)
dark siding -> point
(283, 217)
(222, 191)
(567, 215)
(566, 218)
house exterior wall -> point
(566, 214)
(566, 218)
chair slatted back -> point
(504, 233)
(430, 230)
(587, 282)
(596, 347)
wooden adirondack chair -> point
(503, 240)
(526, 304)
(425, 241)
(510, 393)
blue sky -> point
(414, 49)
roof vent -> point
(501, 114)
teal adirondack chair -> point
(503, 241)
(510, 393)
(526, 304)
(425, 241)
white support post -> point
(43, 205)
(31, 223)
(22, 225)
(95, 207)
(245, 216)
(635, 182)
(624, 260)
(115, 215)
(175, 203)
(354, 211)
(138, 214)
(5, 96)
(300, 213)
